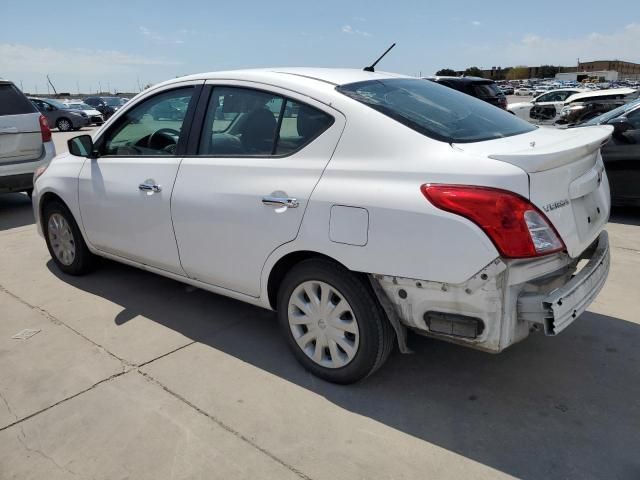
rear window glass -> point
(436, 111)
(13, 101)
(486, 89)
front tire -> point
(333, 322)
(64, 240)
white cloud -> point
(70, 67)
(351, 31)
(23, 58)
(534, 49)
(171, 38)
(475, 23)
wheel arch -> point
(284, 264)
(50, 196)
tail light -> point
(515, 226)
(44, 129)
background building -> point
(606, 70)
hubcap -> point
(61, 239)
(63, 125)
(323, 324)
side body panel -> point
(407, 236)
(223, 229)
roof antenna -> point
(371, 67)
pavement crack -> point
(226, 427)
(166, 354)
(22, 439)
(57, 321)
(6, 402)
(104, 380)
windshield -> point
(57, 104)
(605, 117)
(436, 111)
(112, 101)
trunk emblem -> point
(555, 205)
(532, 144)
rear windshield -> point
(13, 101)
(112, 101)
(486, 89)
(436, 111)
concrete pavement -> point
(136, 376)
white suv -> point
(25, 140)
(357, 204)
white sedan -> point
(524, 91)
(358, 205)
(545, 108)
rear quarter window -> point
(13, 101)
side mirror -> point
(81, 146)
(620, 124)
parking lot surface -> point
(132, 375)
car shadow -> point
(625, 215)
(15, 211)
(549, 407)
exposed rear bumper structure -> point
(558, 309)
(504, 302)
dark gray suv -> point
(60, 116)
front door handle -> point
(280, 202)
(150, 187)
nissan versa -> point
(356, 204)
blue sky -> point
(120, 44)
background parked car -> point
(543, 108)
(60, 116)
(106, 105)
(507, 89)
(25, 140)
(171, 110)
(585, 106)
(481, 88)
(621, 155)
(524, 90)
(95, 117)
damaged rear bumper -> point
(503, 302)
(557, 310)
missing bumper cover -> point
(453, 324)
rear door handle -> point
(150, 187)
(280, 202)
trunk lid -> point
(567, 180)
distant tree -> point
(473, 72)
(446, 72)
(520, 72)
(548, 71)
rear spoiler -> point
(584, 141)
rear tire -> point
(64, 124)
(64, 240)
(340, 333)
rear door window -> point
(243, 122)
(13, 101)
